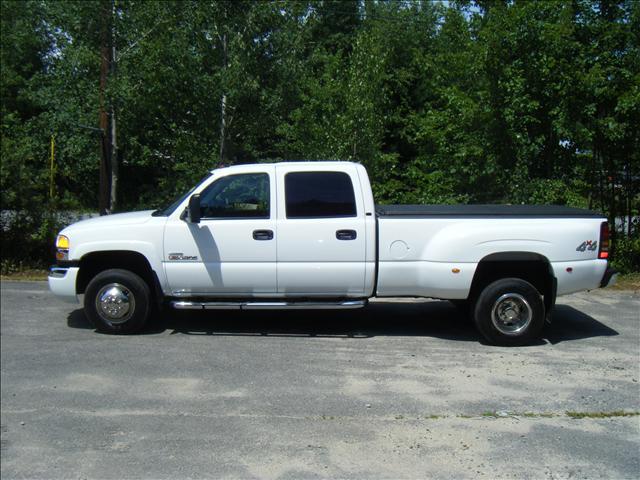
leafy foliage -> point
(470, 101)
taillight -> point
(603, 251)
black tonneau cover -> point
(483, 211)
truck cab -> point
(274, 231)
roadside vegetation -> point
(629, 281)
(508, 414)
(110, 106)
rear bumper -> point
(62, 283)
(609, 278)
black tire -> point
(127, 301)
(509, 312)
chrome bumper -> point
(62, 283)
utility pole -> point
(105, 150)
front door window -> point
(236, 196)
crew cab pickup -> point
(308, 235)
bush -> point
(626, 254)
(28, 240)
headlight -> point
(62, 244)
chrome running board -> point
(347, 304)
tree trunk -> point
(223, 105)
(628, 191)
(113, 203)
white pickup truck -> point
(307, 235)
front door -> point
(232, 251)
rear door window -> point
(319, 195)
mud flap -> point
(550, 301)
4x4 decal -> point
(590, 245)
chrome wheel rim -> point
(115, 303)
(511, 314)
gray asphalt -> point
(398, 390)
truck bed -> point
(484, 211)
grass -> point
(495, 415)
(615, 413)
(570, 414)
(26, 275)
(629, 281)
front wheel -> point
(117, 301)
(509, 312)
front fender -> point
(147, 249)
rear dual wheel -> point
(509, 312)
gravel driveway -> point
(400, 389)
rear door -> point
(321, 232)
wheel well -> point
(531, 267)
(94, 263)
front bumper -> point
(609, 278)
(62, 283)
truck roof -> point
(316, 163)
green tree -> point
(465, 101)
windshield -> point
(168, 210)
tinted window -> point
(237, 196)
(319, 194)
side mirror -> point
(194, 209)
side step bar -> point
(348, 304)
